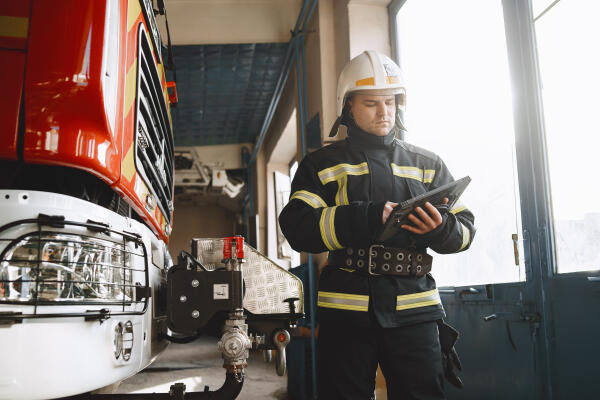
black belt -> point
(380, 260)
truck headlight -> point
(67, 268)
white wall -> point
(230, 21)
(369, 27)
(228, 155)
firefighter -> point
(377, 301)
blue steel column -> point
(303, 103)
(311, 267)
(533, 181)
(301, 84)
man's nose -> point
(381, 109)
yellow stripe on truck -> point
(14, 27)
(133, 12)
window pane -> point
(569, 60)
(459, 106)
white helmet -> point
(375, 73)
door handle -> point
(468, 291)
(594, 278)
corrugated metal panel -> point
(224, 91)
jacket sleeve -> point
(310, 223)
(457, 230)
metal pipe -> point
(300, 97)
(280, 82)
(309, 15)
(230, 390)
(311, 266)
(300, 18)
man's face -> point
(374, 114)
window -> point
(459, 106)
(569, 63)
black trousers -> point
(409, 356)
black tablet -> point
(399, 216)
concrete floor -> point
(199, 364)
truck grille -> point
(154, 137)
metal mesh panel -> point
(267, 284)
(66, 268)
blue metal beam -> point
(303, 19)
(533, 173)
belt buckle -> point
(371, 255)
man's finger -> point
(426, 218)
(412, 229)
(415, 220)
(434, 213)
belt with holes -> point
(380, 260)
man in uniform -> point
(377, 301)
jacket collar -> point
(358, 137)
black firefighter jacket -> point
(337, 200)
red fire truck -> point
(86, 189)
(88, 290)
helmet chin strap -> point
(400, 120)
(335, 127)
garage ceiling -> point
(228, 55)
(224, 91)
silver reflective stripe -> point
(425, 176)
(341, 197)
(327, 227)
(338, 171)
(466, 236)
(416, 300)
(309, 198)
(343, 301)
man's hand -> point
(424, 221)
(387, 210)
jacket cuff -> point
(439, 233)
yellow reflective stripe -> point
(130, 87)
(425, 176)
(128, 165)
(338, 171)
(458, 207)
(428, 175)
(133, 12)
(341, 197)
(326, 224)
(342, 306)
(363, 297)
(466, 236)
(309, 198)
(332, 229)
(343, 301)
(323, 231)
(416, 300)
(14, 27)
(417, 305)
